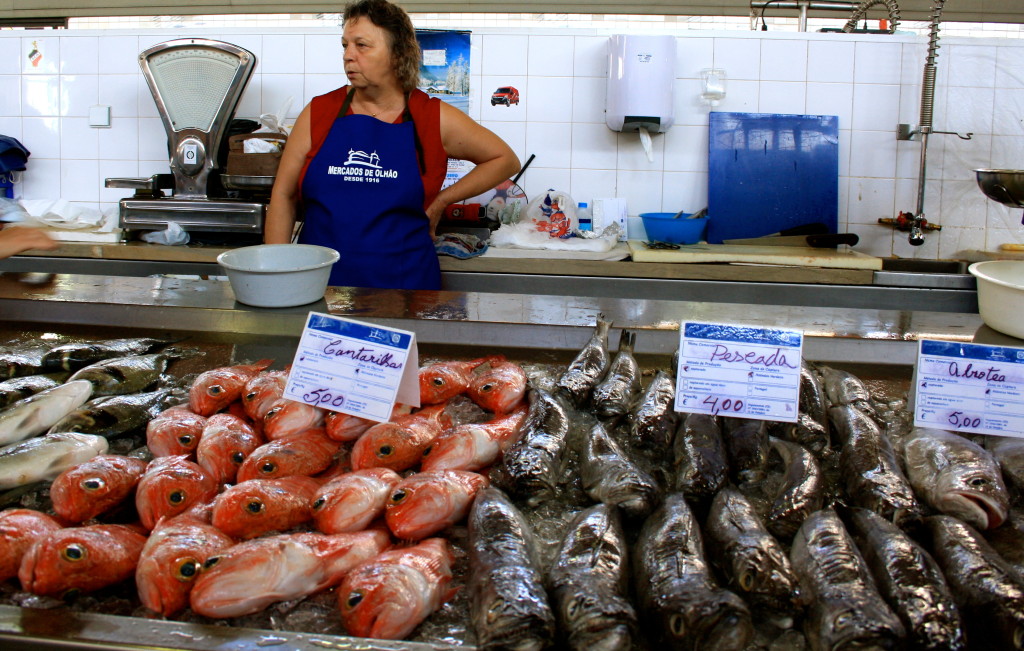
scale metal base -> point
(220, 215)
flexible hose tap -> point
(858, 13)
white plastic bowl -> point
(1001, 294)
(278, 275)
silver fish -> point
(588, 583)
(129, 374)
(45, 457)
(1008, 541)
(845, 388)
(755, 563)
(988, 591)
(746, 442)
(911, 582)
(813, 399)
(1009, 452)
(870, 473)
(801, 493)
(36, 414)
(956, 476)
(615, 394)
(845, 610)
(676, 590)
(701, 465)
(588, 367)
(533, 466)
(809, 433)
(19, 388)
(508, 604)
(610, 477)
(73, 356)
(112, 416)
(22, 358)
(653, 422)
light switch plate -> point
(99, 116)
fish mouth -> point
(979, 509)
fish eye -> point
(254, 506)
(273, 412)
(573, 609)
(237, 457)
(978, 481)
(319, 503)
(73, 552)
(268, 467)
(385, 451)
(250, 396)
(677, 625)
(354, 599)
(188, 569)
(176, 497)
(747, 581)
(93, 484)
(427, 451)
(186, 440)
(210, 562)
(494, 612)
(438, 382)
(842, 619)
(215, 390)
(487, 387)
(398, 496)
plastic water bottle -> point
(584, 217)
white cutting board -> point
(801, 256)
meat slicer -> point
(197, 84)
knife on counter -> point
(817, 241)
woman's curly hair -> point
(405, 50)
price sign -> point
(744, 372)
(969, 388)
(355, 368)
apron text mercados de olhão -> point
(363, 195)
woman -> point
(18, 239)
(366, 162)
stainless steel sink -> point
(921, 266)
(925, 274)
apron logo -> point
(362, 167)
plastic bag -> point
(274, 122)
(12, 211)
(526, 236)
(174, 234)
(554, 213)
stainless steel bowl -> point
(1004, 186)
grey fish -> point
(701, 465)
(813, 399)
(588, 583)
(610, 477)
(73, 356)
(956, 476)
(845, 388)
(129, 374)
(653, 422)
(19, 388)
(20, 359)
(44, 457)
(36, 414)
(988, 591)
(746, 442)
(532, 467)
(615, 394)
(845, 610)
(1009, 452)
(112, 416)
(809, 433)
(801, 493)
(508, 604)
(755, 563)
(588, 367)
(1008, 541)
(868, 468)
(911, 582)
(676, 590)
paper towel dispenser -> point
(641, 82)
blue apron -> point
(363, 196)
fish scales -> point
(533, 466)
(73, 356)
(653, 422)
(801, 492)
(701, 464)
(45, 457)
(113, 416)
(615, 394)
(129, 374)
(611, 477)
(746, 442)
(19, 388)
(38, 413)
(588, 367)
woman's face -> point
(367, 54)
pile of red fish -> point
(253, 499)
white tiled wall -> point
(870, 82)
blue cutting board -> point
(768, 172)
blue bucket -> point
(666, 227)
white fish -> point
(45, 457)
(36, 414)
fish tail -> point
(627, 340)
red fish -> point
(290, 417)
(352, 501)
(475, 446)
(261, 392)
(227, 441)
(305, 454)
(19, 528)
(442, 381)
(252, 575)
(171, 485)
(258, 506)
(175, 431)
(428, 502)
(172, 558)
(500, 388)
(81, 558)
(399, 445)
(344, 428)
(217, 388)
(389, 596)
(95, 486)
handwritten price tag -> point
(730, 370)
(970, 388)
(355, 368)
